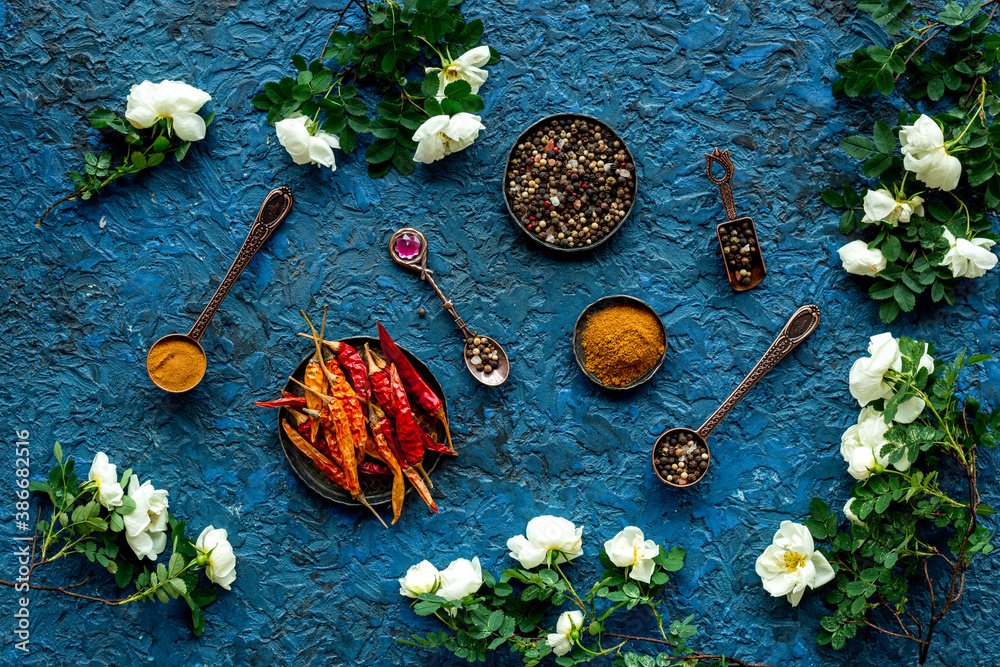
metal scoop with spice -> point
(176, 363)
(485, 359)
(681, 455)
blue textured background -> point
(84, 296)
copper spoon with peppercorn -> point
(485, 359)
(681, 456)
(737, 237)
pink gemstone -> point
(407, 246)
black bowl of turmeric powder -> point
(619, 342)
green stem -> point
(159, 585)
(569, 585)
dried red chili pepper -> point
(341, 391)
(320, 442)
(337, 428)
(372, 467)
(328, 467)
(415, 384)
(385, 441)
(287, 401)
(350, 360)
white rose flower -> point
(215, 553)
(547, 536)
(443, 135)
(968, 259)
(420, 578)
(882, 206)
(146, 525)
(148, 102)
(567, 631)
(306, 145)
(109, 491)
(462, 577)
(851, 516)
(861, 443)
(464, 68)
(790, 563)
(861, 260)
(629, 548)
(867, 376)
(924, 154)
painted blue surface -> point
(84, 296)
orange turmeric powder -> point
(621, 343)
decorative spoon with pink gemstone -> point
(485, 359)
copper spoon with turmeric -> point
(176, 363)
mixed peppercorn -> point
(682, 459)
(571, 182)
(482, 353)
(739, 247)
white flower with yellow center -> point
(464, 68)
(791, 564)
(630, 548)
(105, 476)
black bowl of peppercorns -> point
(569, 182)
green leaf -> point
(858, 147)
(160, 144)
(888, 312)
(302, 92)
(181, 152)
(203, 596)
(905, 298)
(458, 90)
(348, 140)
(381, 151)
(379, 170)
(832, 198)
(384, 129)
(57, 450)
(674, 560)
(262, 102)
(935, 89)
(432, 107)
(875, 165)
(892, 248)
(197, 621)
(431, 84)
(139, 160)
(472, 104)
(885, 140)
(451, 107)
(402, 160)
(299, 62)
(355, 107)
(322, 80)
(116, 522)
(155, 159)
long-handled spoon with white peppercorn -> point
(485, 359)
(681, 456)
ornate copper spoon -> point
(737, 237)
(408, 247)
(688, 448)
(176, 363)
